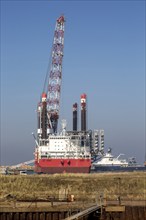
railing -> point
(83, 213)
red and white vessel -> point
(65, 151)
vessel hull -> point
(117, 168)
(52, 166)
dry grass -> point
(83, 186)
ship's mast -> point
(48, 108)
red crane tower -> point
(48, 108)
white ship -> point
(107, 162)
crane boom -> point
(48, 108)
(54, 87)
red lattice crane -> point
(48, 108)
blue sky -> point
(104, 57)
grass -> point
(83, 186)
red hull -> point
(63, 166)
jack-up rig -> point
(67, 151)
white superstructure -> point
(64, 146)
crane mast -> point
(48, 108)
